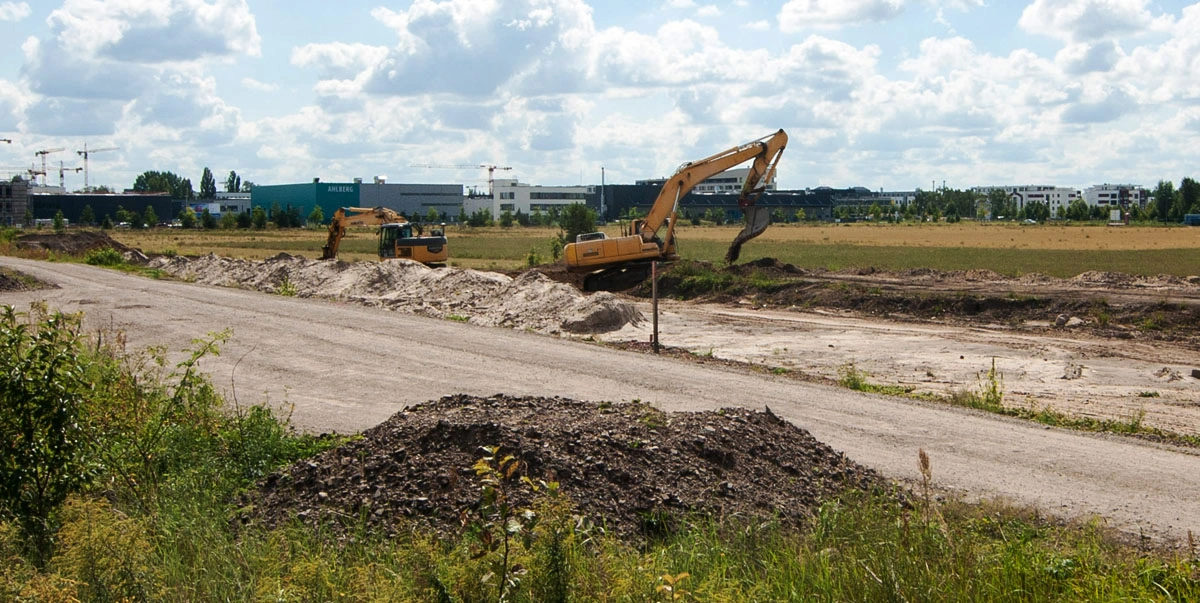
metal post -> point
(654, 302)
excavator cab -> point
(396, 240)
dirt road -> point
(346, 367)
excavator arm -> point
(345, 217)
(615, 263)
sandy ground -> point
(345, 366)
(1082, 376)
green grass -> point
(158, 519)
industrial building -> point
(410, 200)
(18, 195)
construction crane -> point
(8, 140)
(489, 167)
(43, 154)
(84, 153)
(62, 182)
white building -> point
(1056, 198)
(513, 196)
(1116, 196)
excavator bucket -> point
(757, 220)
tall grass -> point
(161, 521)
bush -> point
(104, 257)
(44, 447)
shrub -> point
(104, 257)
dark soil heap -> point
(72, 243)
(15, 280)
(621, 464)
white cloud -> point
(155, 32)
(710, 10)
(677, 4)
(760, 25)
(14, 11)
(797, 15)
(1084, 21)
(258, 86)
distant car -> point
(1028, 221)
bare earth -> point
(344, 365)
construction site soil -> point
(629, 468)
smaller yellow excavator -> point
(396, 238)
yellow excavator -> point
(396, 238)
(619, 263)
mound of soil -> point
(528, 301)
(628, 467)
(15, 280)
(76, 242)
(1106, 304)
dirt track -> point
(347, 367)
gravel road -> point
(345, 367)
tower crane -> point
(62, 183)
(8, 140)
(84, 153)
(489, 167)
(43, 153)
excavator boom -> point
(617, 262)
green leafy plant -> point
(104, 257)
(286, 288)
(44, 447)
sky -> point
(885, 94)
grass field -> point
(1012, 249)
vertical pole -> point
(654, 302)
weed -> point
(850, 377)
(286, 288)
(458, 318)
(779, 370)
(1148, 394)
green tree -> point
(800, 215)
(245, 219)
(229, 220)
(506, 219)
(521, 217)
(164, 182)
(87, 217)
(208, 185)
(233, 182)
(1164, 200)
(317, 216)
(462, 215)
(187, 218)
(43, 444)
(60, 221)
(258, 217)
(998, 204)
(293, 217)
(28, 217)
(247, 186)
(1189, 197)
(149, 217)
(207, 221)
(106, 223)
(480, 217)
(431, 216)
(715, 215)
(574, 220)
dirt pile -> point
(71, 243)
(626, 466)
(529, 301)
(15, 280)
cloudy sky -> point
(891, 94)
